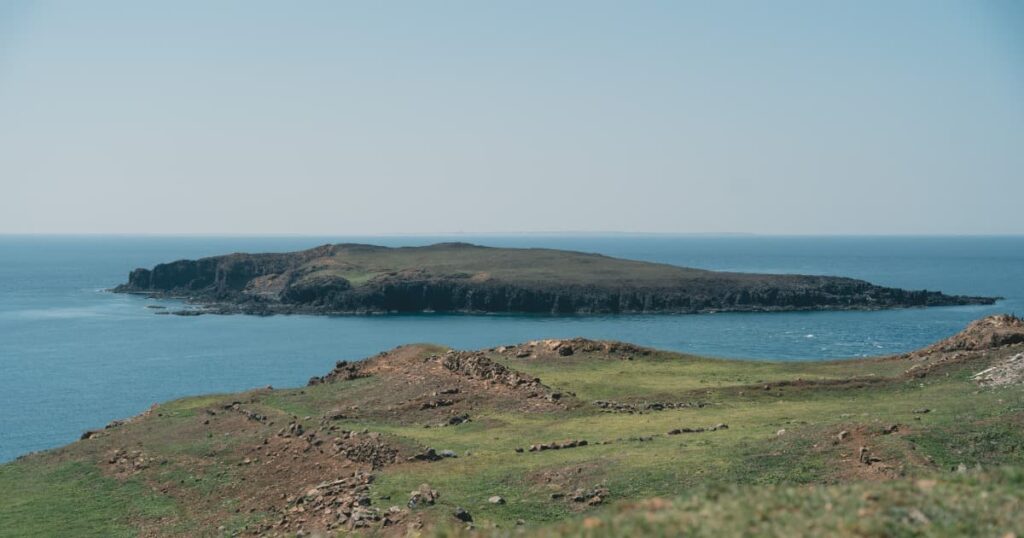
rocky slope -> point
(458, 277)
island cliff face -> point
(459, 277)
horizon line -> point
(604, 233)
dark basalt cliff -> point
(456, 277)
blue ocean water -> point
(73, 357)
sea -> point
(74, 356)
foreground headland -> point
(459, 277)
(562, 438)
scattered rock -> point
(565, 348)
(556, 445)
(462, 515)
(619, 407)
(592, 497)
(423, 496)
(427, 455)
(129, 462)
(343, 371)
(1007, 372)
(293, 429)
(716, 427)
(496, 499)
(434, 404)
(864, 456)
(251, 415)
(458, 419)
(476, 365)
(369, 449)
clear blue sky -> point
(811, 117)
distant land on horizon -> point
(460, 277)
(474, 234)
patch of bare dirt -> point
(860, 456)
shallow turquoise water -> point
(73, 357)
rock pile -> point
(1007, 372)
(865, 457)
(593, 496)
(339, 504)
(432, 455)
(128, 462)
(251, 415)
(557, 445)
(343, 371)
(422, 496)
(565, 348)
(476, 365)
(619, 407)
(293, 429)
(360, 447)
(370, 451)
(716, 427)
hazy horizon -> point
(556, 234)
(461, 118)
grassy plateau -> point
(912, 445)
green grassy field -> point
(780, 468)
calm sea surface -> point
(73, 357)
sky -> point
(782, 117)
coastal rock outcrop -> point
(458, 277)
(986, 333)
(1001, 334)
